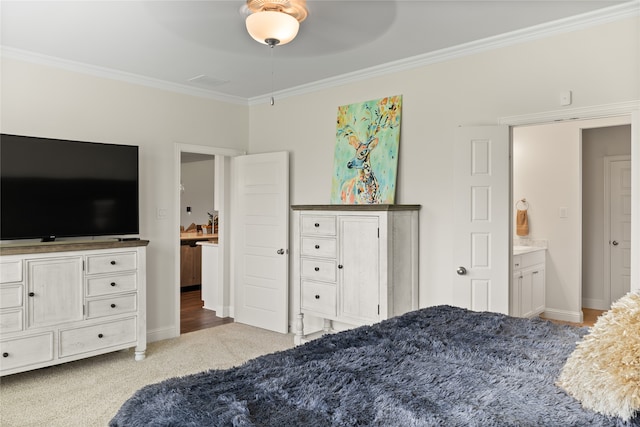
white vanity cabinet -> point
(528, 284)
(67, 301)
(354, 264)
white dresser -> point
(353, 264)
(66, 301)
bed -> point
(438, 366)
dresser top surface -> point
(376, 207)
(67, 246)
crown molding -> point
(598, 17)
(602, 16)
(109, 73)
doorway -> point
(197, 219)
(556, 167)
(220, 186)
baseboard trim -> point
(596, 304)
(563, 315)
(161, 334)
(221, 310)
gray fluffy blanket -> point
(439, 366)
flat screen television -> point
(52, 188)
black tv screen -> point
(52, 188)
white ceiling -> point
(174, 41)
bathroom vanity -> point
(528, 281)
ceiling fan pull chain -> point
(271, 45)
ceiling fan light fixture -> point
(272, 25)
(274, 22)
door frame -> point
(629, 109)
(224, 212)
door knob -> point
(614, 243)
(461, 271)
(280, 251)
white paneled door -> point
(481, 202)
(620, 226)
(261, 217)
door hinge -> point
(378, 309)
(378, 232)
(83, 265)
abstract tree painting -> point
(366, 153)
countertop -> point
(197, 235)
(519, 250)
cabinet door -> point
(526, 303)
(190, 265)
(54, 289)
(359, 268)
(537, 291)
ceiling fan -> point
(274, 22)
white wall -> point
(597, 143)
(198, 181)
(547, 171)
(44, 101)
(600, 65)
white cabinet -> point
(528, 284)
(354, 264)
(53, 292)
(67, 301)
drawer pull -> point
(317, 296)
(517, 265)
(113, 306)
(32, 294)
(100, 336)
(316, 225)
(317, 269)
(113, 263)
(317, 246)
(113, 283)
(5, 354)
(340, 266)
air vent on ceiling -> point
(206, 81)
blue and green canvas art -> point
(366, 154)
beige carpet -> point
(88, 392)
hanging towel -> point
(522, 223)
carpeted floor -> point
(89, 392)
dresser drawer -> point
(318, 269)
(111, 263)
(11, 296)
(317, 246)
(319, 298)
(11, 271)
(11, 321)
(112, 305)
(26, 351)
(318, 225)
(111, 284)
(96, 337)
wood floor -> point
(194, 317)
